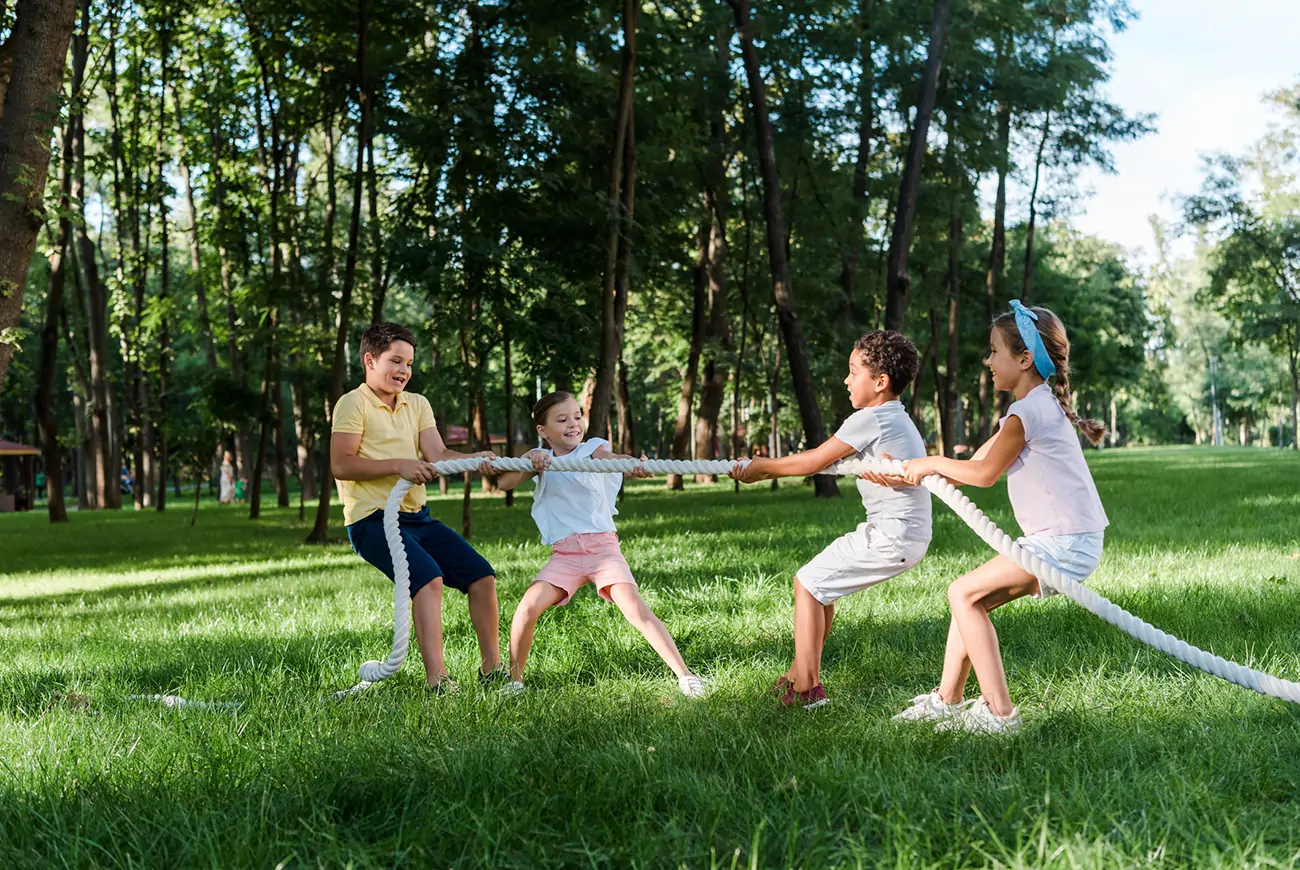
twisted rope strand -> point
(968, 511)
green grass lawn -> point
(1127, 759)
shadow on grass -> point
(625, 778)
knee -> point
(960, 596)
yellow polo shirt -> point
(386, 433)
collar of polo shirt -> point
(380, 403)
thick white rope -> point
(1265, 684)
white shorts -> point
(859, 560)
(1075, 556)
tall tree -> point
(320, 529)
(909, 188)
(782, 288)
(617, 226)
(34, 55)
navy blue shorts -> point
(432, 550)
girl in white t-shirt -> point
(574, 511)
(1055, 503)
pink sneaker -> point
(809, 700)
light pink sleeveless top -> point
(1049, 484)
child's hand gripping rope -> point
(878, 470)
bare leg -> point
(810, 629)
(634, 608)
(426, 612)
(971, 597)
(485, 616)
(956, 666)
(829, 611)
(536, 600)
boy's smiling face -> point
(390, 371)
(866, 388)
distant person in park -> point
(1054, 499)
(382, 433)
(896, 533)
(574, 511)
(227, 495)
(241, 490)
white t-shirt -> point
(904, 511)
(575, 502)
(1049, 484)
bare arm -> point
(984, 469)
(606, 453)
(510, 479)
(796, 464)
(433, 450)
(345, 464)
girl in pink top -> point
(1054, 499)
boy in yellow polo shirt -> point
(380, 431)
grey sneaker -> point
(445, 686)
(979, 719)
(930, 707)
(692, 686)
(512, 688)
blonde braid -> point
(1093, 430)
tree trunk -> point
(610, 328)
(52, 455)
(852, 255)
(196, 254)
(281, 454)
(783, 290)
(164, 276)
(926, 358)
(940, 393)
(320, 530)
(35, 53)
(377, 286)
(509, 384)
(949, 391)
(997, 259)
(1027, 290)
(623, 401)
(717, 328)
(699, 283)
(1294, 359)
(909, 189)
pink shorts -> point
(590, 558)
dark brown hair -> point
(542, 409)
(1052, 331)
(380, 337)
(886, 352)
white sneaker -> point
(692, 685)
(512, 688)
(979, 719)
(930, 707)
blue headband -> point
(1026, 322)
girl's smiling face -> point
(1006, 367)
(564, 426)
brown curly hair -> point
(1052, 331)
(886, 352)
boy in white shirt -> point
(896, 534)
